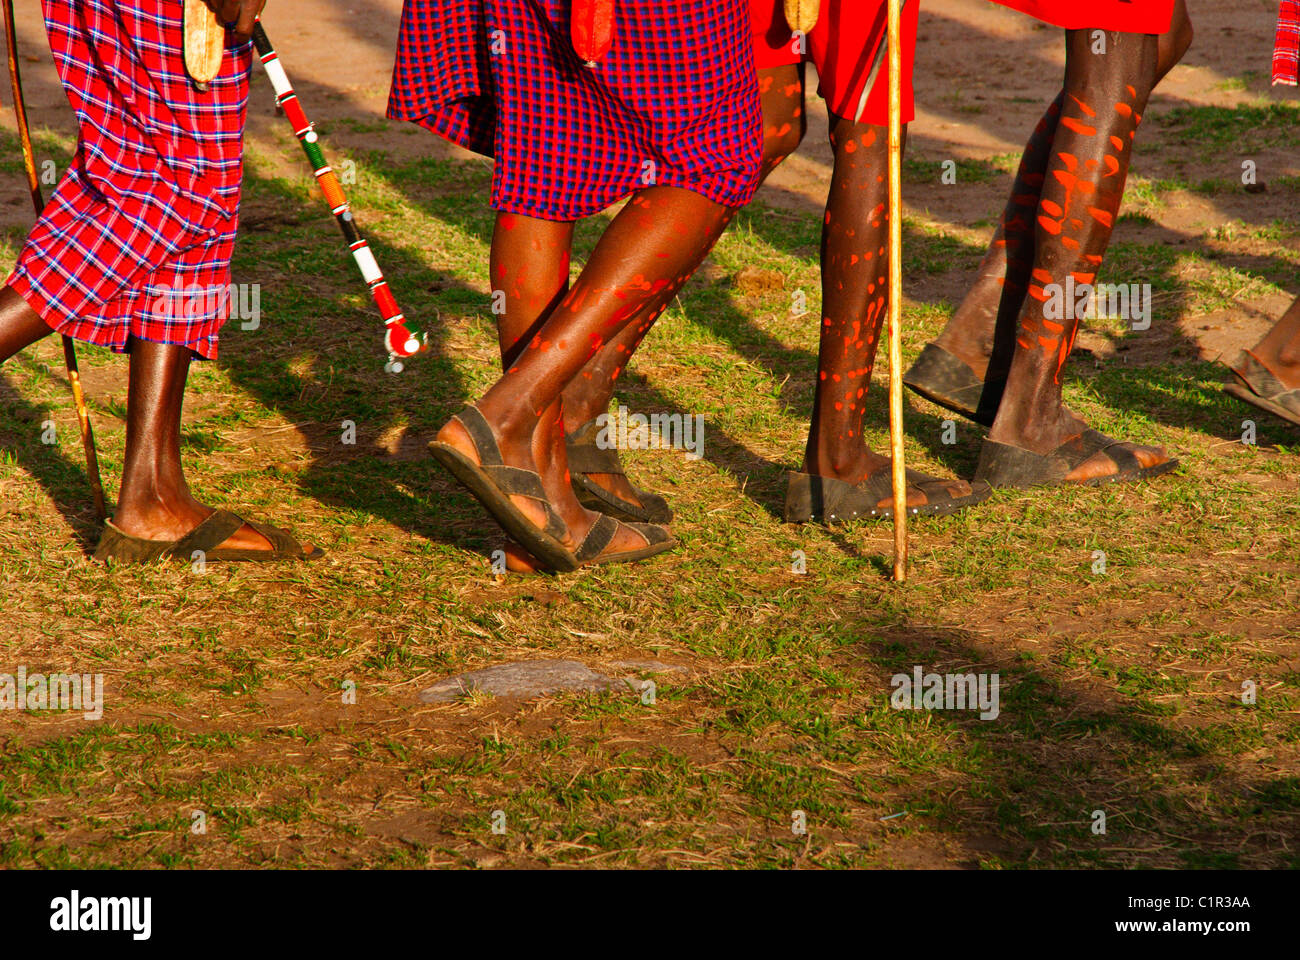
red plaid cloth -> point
(1126, 16)
(138, 235)
(1286, 47)
(673, 103)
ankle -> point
(581, 406)
(841, 460)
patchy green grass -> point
(1121, 682)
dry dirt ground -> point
(1121, 687)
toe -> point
(1150, 456)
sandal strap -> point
(598, 538)
(1260, 380)
(219, 527)
(878, 486)
(515, 481)
(480, 431)
(839, 496)
(586, 455)
(1119, 451)
(282, 542)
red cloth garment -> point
(843, 48)
(137, 238)
(673, 102)
(1126, 16)
(1286, 46)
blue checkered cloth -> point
(674, 102)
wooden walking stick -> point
(894, 34)
(38, 201)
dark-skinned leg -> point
(1279, 351)
(588, 395)
(1003, 279)
(1004, 272)
(855, 303)
(530, 266)
(784, 120)
(1105, 96)
(20, 325)
(155, 501)
(649, 250)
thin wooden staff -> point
(896, 289)
(38, 201)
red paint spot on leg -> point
(1101, 216)
(1083, 106)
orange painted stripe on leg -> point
(1105, 218)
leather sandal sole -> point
(826, 500)
(1004, 465)
(1255, 400)
(118, 545)
(942, 378)
(472, 477)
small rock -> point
(649, 666)
(527, 678)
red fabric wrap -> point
(1126, 16)
(592, 26)
(1286, 45)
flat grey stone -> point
(649, 666)
(527, 678)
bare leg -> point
(1105, 96)
(855, 302)
(784, 119)
(20, 325)
(155, 501)
(1004, 273)
(530, 266)
(855, 268)
(647, 253)
(1279, 351)
(589, 395)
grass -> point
(1121, 690)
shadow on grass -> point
(1020, 789)
(56, 467)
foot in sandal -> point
(221, 536)
(1057, 224)
(537, 507)
(1057, 447)
(1267, 376)
(598, 480)
(867, 494)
